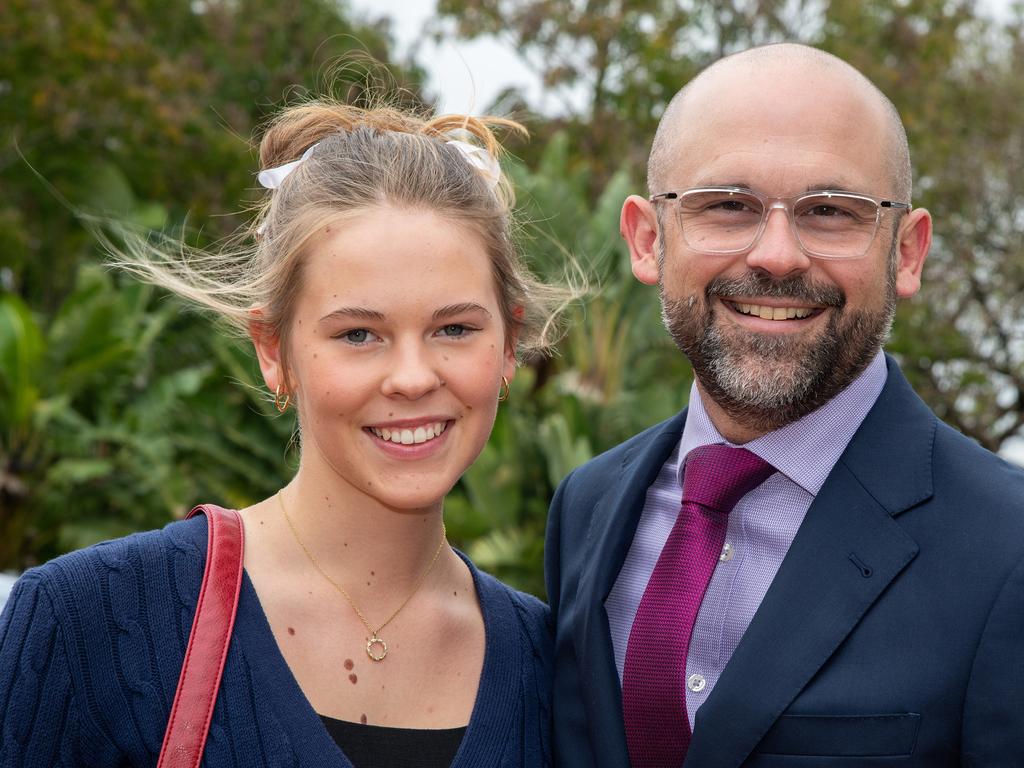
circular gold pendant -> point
(380, 646)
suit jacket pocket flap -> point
(842, 735)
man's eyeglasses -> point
(828, 225)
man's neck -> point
(728, 427)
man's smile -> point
(768, 312)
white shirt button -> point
(696, 683)
(727, 552)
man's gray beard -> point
(767, 381)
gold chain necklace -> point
(376, 648)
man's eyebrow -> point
(458, 309)
(832, 185)
(358, 313)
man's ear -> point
(268, 352)
(913, 241)
(638, 225)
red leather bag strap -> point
(207, 649)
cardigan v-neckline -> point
(493, 710)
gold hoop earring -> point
(281, 405)
(503, 393)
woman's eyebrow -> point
(458, 309)
(359, 313)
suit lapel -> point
(613, 525)
(847, 551)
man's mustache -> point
(755, 284)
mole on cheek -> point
(349, 664)
(353, 678)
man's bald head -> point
(787, 60)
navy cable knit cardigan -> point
(91, 646)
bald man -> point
(805, 567)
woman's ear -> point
(508, 366)
(267, 344)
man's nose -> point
(413, 372)
(778, 251)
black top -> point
(375, 746)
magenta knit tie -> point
(654, 676)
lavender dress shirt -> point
(761, 526)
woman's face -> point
(396, 354)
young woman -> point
(386, 304)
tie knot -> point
(718, 476)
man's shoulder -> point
(962, 464)
(606, 466)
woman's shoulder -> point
(532, 614)
(97, 637)
(134, 561)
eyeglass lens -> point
(723, 221)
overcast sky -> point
(465, 75)
(468, 75)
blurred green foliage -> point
(118, 410)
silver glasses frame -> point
(787, 204)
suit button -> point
(696, 683)
(727, 552)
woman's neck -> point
(355, 538)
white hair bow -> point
(478, 157)
(272, 178)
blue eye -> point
(356, 336)
(454, 330)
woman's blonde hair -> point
(363, 158)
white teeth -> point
(410, 436)
(773, 313)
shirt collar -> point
(807, 449)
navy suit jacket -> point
(893, 633)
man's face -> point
(772, 333)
